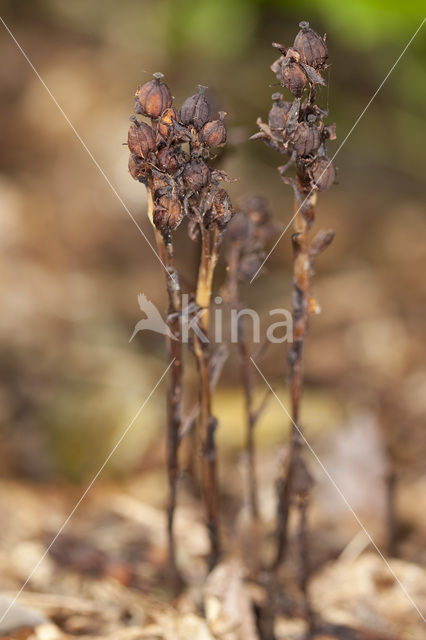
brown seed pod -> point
(140, 139)
(310, 45)
(306, 138)
(196, 174)
(167, 121)
(195, 110)
(153, 97)
(158, 183)
(278, 113)
(329, 131)
(322, 173)
(170, 159)
(221, 210)
(213, 134)
(137, 167)
(168, 213)
(293, 77)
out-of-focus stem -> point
(174, 396)
(301, 309)
(207, 422)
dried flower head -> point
(178, 176)
(296, 128)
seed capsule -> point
(213, 134)
(330, 131)
(221, 210)
(167, 121)
(170, 159)
(195, 110)
(322, 173)
(306, 139)
(293, 77)
(168, 213)
(310, 45)
(196, 174)
(140, 139)
(153, 97)
(278, 114)
(137, 167)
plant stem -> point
(207, 422)
(174, 395)
(301, 309)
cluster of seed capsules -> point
(170, 156)
(297, 128)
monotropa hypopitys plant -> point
(296, 129)
(171, 153)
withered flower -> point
(213, 134)
(137, 167)
(322, 173)
(171, 159)
(153, 97)
(293, 77)
(330, 131)
(195, 110)
(167, 122)
(141, 138)
(311, 47)
(277, 119)
(168, 213)
(196, 174)
(306, 138)
(221, 210)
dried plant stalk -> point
(210, 242)
(296, 129)
(169, 156)
(249, 233)
(174, 394)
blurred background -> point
(73, 262)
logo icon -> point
(153, 321)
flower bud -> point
(137, 167)
(221, 210)
(168, 213)
(322, 173)
(167, 121)
(170, 159)
(196, 174)
(195, 110)
(213, 134)
(311, 47)
(278, 114)
(140, 139)
(153, 97)
(306, 138)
